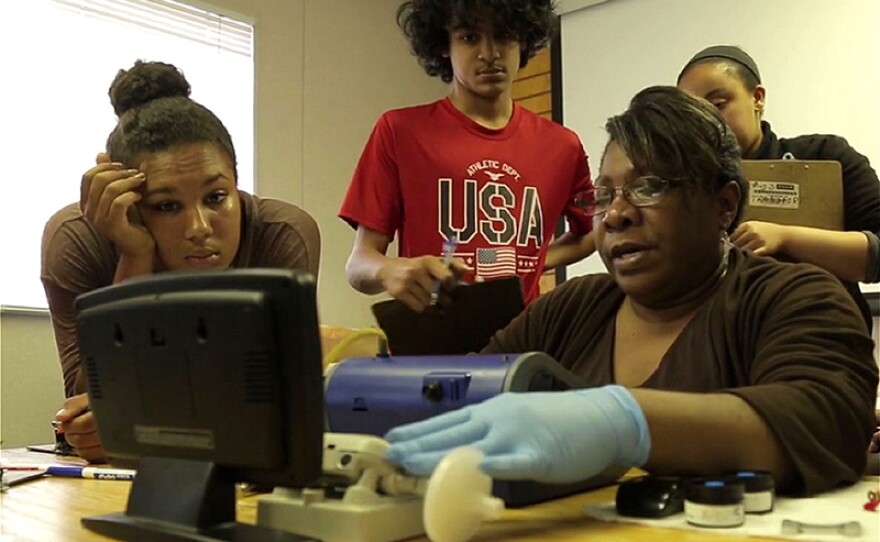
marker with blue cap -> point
(74, 471)
(97, 473)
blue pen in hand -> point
(449, 247)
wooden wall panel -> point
(532, 86)
(535, 85)
(540, 63)
(532, 90)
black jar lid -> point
(715, 491)
(755, 481)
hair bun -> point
(144, 82)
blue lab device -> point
(374, 395)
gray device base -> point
(358, 517)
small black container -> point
(715, 503)
(650, 496)
(760, 490)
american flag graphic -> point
(496, 262)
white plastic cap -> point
(459, 497)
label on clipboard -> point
(776, 195)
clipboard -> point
(476, 312)
(795, 192)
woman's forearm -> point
(709, 433)
(842, 253)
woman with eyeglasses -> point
(701, 358)
(729, 79)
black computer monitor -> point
(201, 380)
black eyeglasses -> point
(645, 191)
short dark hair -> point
(734, 59)
(674, 135)
(426, 24)
(155, 113)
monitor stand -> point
(178, 500)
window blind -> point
(173, 18)
(59, 57)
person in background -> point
(729, 79)
(686, 336)
(162, 197)
(474, 168)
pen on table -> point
(75, 471)
(448, 253)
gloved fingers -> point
(435, 447)
(423, 464)
(512, 466)
(442, 441)
(415, 430)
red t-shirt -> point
(429, 173)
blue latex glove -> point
(554, 437)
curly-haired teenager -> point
(473, 166)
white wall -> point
(30, 389)
(357, 64)
(325, 71)
(819, 60)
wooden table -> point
(49, 509)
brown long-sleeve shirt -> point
(786, 338)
